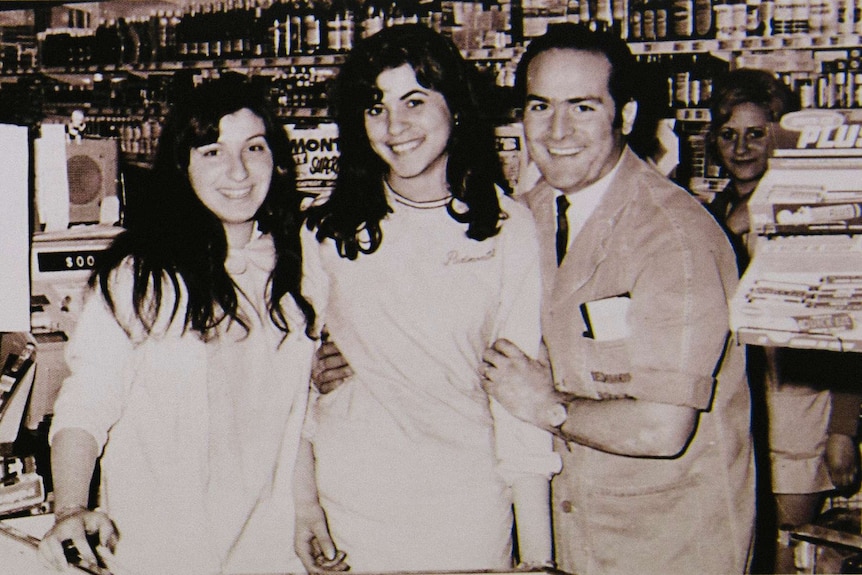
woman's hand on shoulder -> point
(67, 541)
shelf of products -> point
(123, 68)
(806, 217)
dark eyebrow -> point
(536, 98)
(411, 93)
(580, 100)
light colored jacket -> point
(652, 241)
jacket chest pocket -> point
(595, 369)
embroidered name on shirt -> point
(454, 257)
(611, 377)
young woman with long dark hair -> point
(191, 358)
(427, 262)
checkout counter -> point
(33, 367)
(19, 542)
(24, 509)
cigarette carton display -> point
(803, 287)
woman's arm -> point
(531, 496)
(73, 458)
(527, 462)
(312, 541)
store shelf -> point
(747, 44)
(322, 60)
(692, 114)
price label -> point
(74, 260)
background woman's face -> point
(232, 175)
(409, 127)
(743, 142)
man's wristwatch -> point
(557, 414)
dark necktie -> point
(562, 228)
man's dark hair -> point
(628, 80)
(566, 36)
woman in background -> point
(427, 263)
(193, 310)
(811, 410)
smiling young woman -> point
(192, 311)
(426, 262)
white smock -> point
(199, 438)
(414, 466)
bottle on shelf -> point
(278, 21)
(181, 34)
(754, 25)
(800, 13)
(636, 16)
(240, 25)
(682, 19)
(312, 17)
(704, 20)
(294, 33)
(603, 16)
(373, 18)
(259, 30)
(339, 27)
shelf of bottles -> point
(123, 69)
(264, 31)
(700, 26)
(124, 72)
(132, 108)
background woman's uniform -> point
(199, 439)
(413, 463)
(799, 402)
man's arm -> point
(633, 427)
(330, 368)
(623, 426)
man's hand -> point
(330, 369)
(524, 386)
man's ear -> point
(629, 113)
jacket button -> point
(566, 506)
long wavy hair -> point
(352, 215)
(174, 239)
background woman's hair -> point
(173, 238)
(748, 85)
(358, 202)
